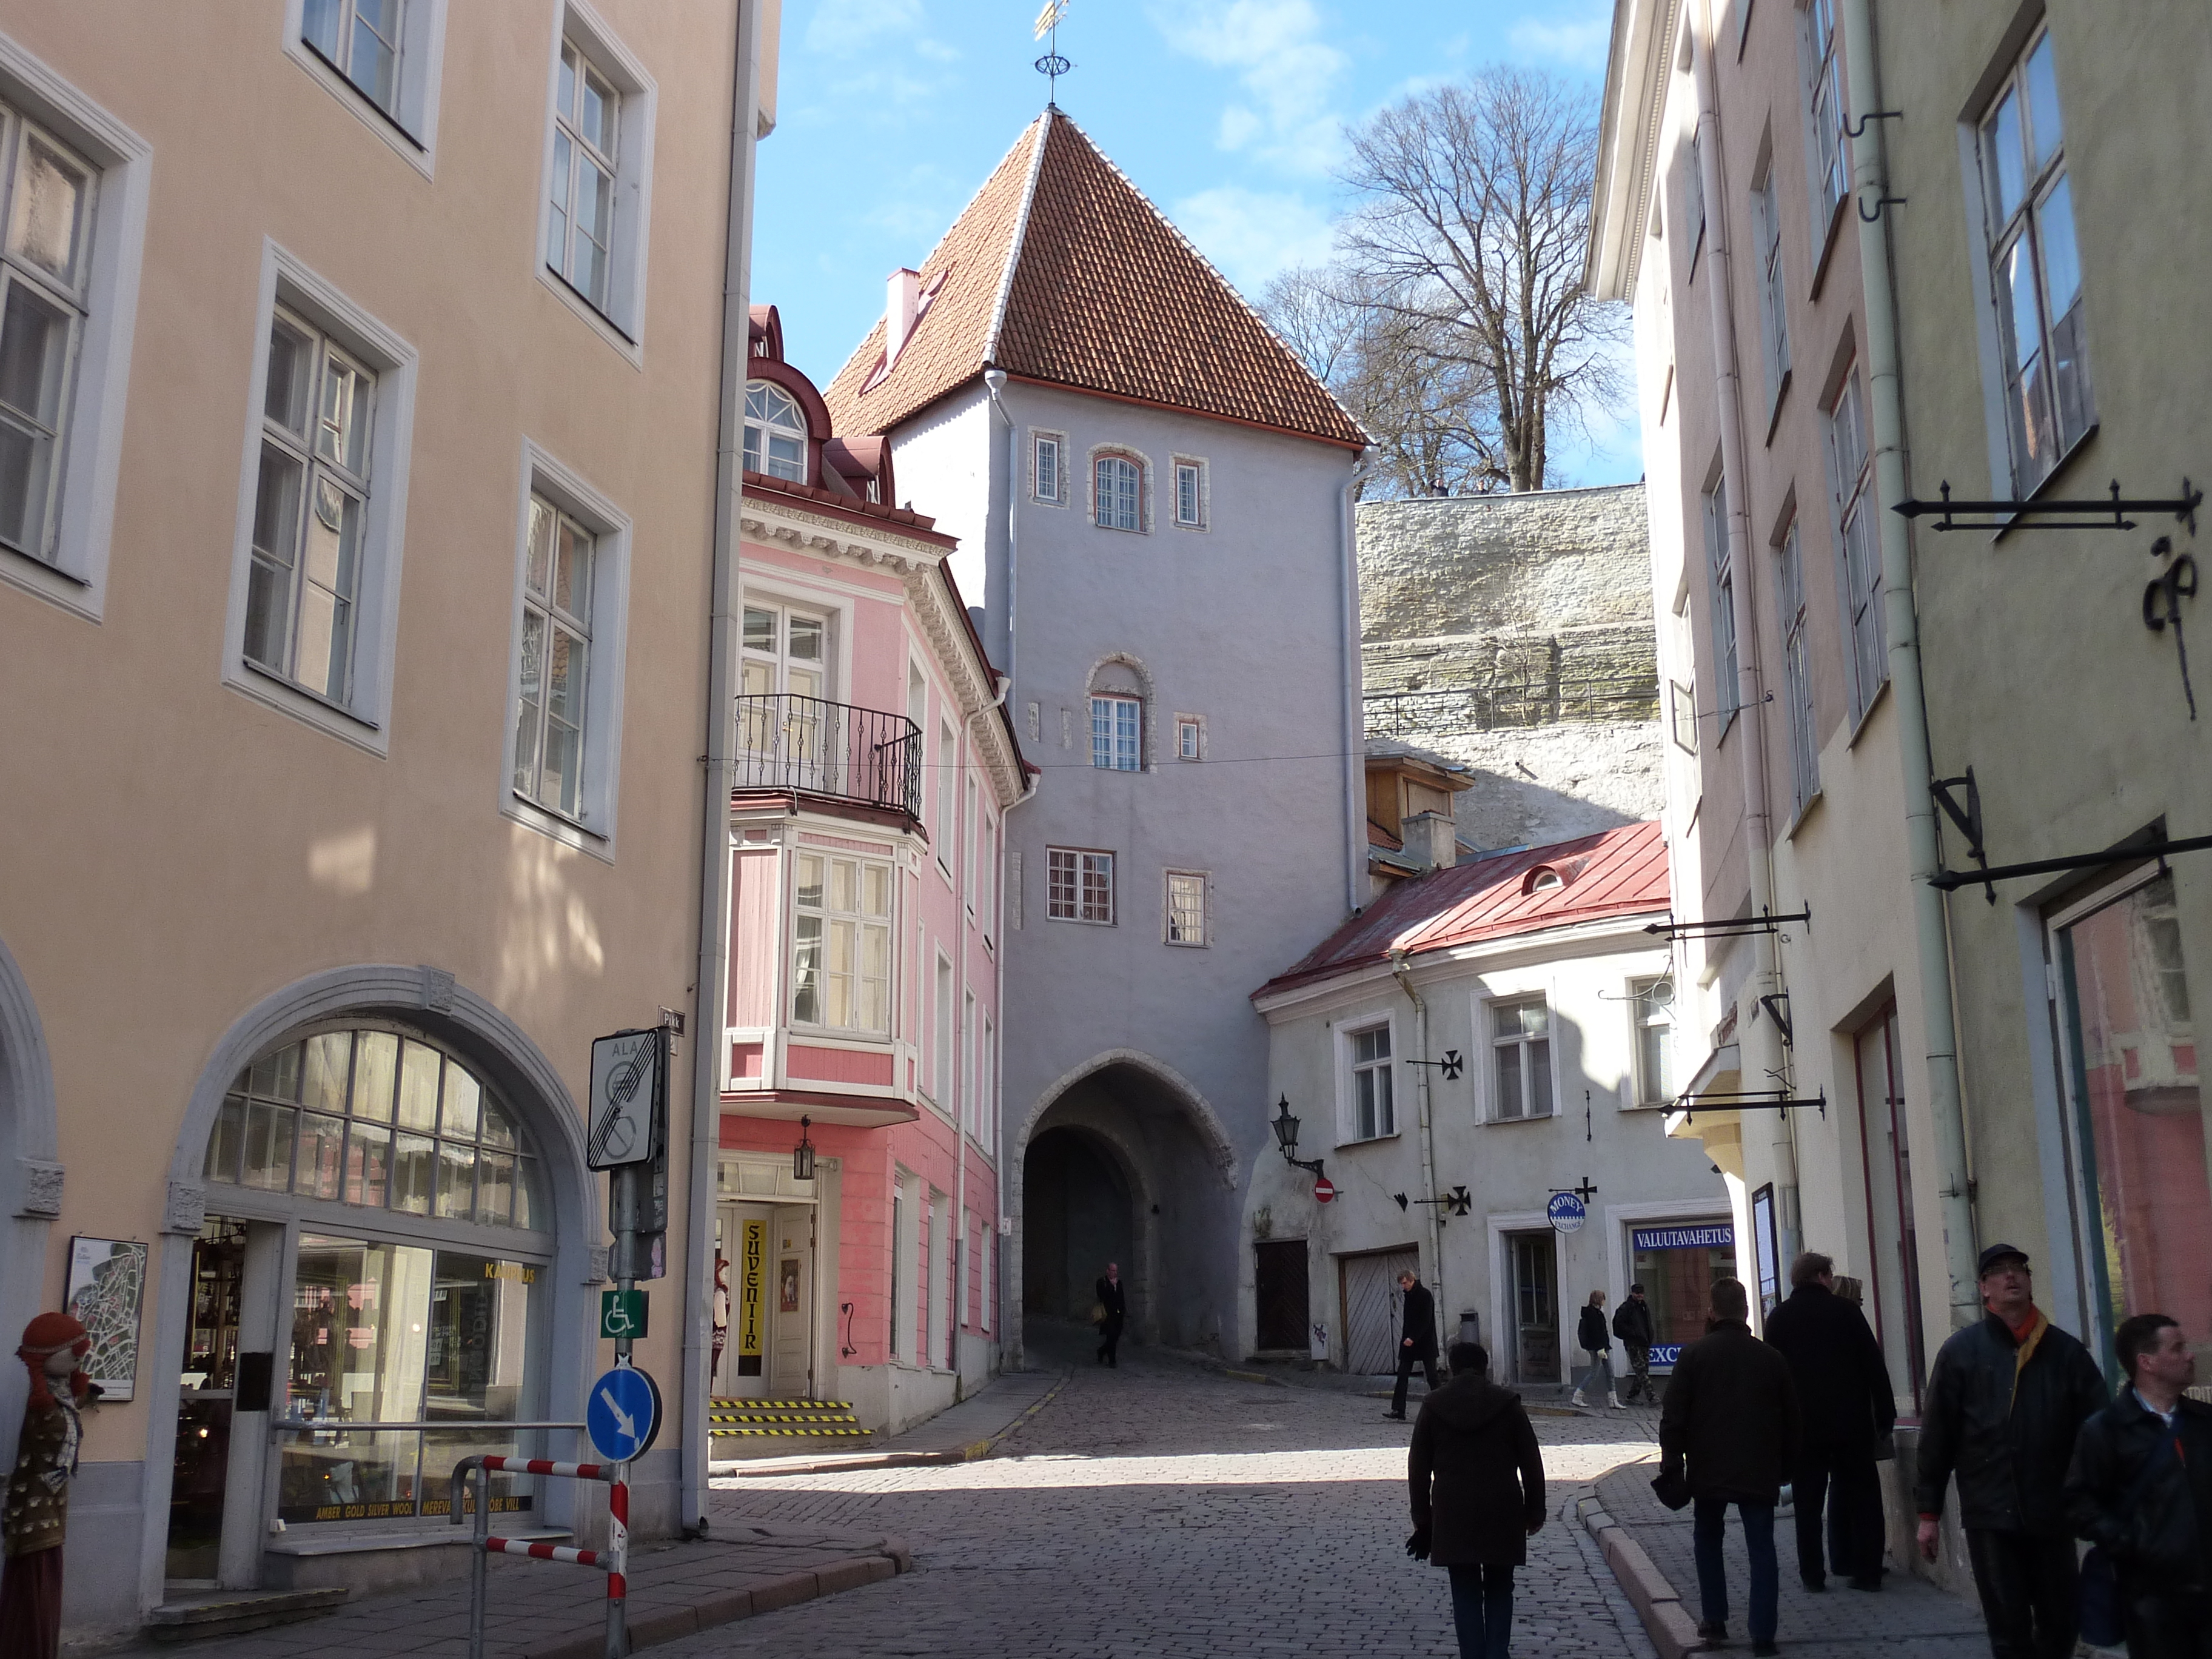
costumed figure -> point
(36, 1513)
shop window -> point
(1676, 1264)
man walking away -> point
(1416, 1342)
(1478, 1489)
(1591, 1338)
(2005, 1398)
(2140, 1488)
(1844, 1396)
(1632, 1325)
(1731, 1411)
(1114, 1305)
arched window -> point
(775, 432)
(1118, 493)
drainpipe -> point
(709, 1046)
(994, 382)
(1945, 1102)
(1355, 749)
(1428, 1139)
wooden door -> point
(1278, 1279)
(791, 1303)
(1374, 1310)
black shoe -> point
(1816, 1585)
(1713, 1632)
(1866, 1581)
(1763, 1649)
(1393, 1417)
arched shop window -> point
(418, 1236)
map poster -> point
(107, 1281)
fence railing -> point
(821, 748)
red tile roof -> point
(1619, 873)
(1060, 270)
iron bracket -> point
(2022, 515)
(1857, 129)
(1735, 928)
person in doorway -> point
(2006, 1398)
(1592, 1338)
(1731, 1414)
(1632, 1323)
(1847, 1404)
(1477, 1489)
(1113, 1310)
(2140, 1488)
(1417, 1342)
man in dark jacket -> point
(1845, 1395)
(1114, 1305)
(1632, 1323)
(1477, 1489)
(2005, 1399)
(1731, 1411)
(1417, 1342)
(2141, 1488)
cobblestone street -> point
(1161, 1510)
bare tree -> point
(1472, 237)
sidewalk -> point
(1648, 1546)
(958, 1434)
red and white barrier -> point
(614, 1560)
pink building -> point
(876, 763)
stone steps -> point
(189, 1616)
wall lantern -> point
(1286, 1137)
(802, 1155)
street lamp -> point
(802, 1155)
(1286, 1138)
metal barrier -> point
(614, 1560)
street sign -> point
(629, 1097)
(1324, 1190)
(622, 1415)
(622, 1314)
(1566, 1212)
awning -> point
(1719, 1129)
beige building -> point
(361, 523)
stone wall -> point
(1513, 635)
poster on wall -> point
(107, 1281)
(752, 1276)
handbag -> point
(1098, 1312)
(1672, 1488)
(2102, 1624)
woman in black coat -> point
(1478, 1491)
(1592, 1337)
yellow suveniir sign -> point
(752, 1286)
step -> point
(813, 1431)
(189, 1616)
(779, 1417)
(726, 1403)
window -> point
(1521, 1052)
(580, 243)
(1117, 734)
(986, 880)
(597, 197)
(1079, 885)
(1048, 453)
(381, 59)
(901, 1319)
(2035, 269)
(1119, 493)
(1820, 49)
(1374, 1110)
(1773, 308)
(45, 271)
(775, 432)
(1682, 715)
(948, 765)
(782, 672)
(970, 845)
(361, 39)
(1722, 590)
(943, 1069)
(1651, 1008)
(1186, 907)
(1797, 670)
(556, 643)
(1850, 476)
(1190, 495)
(1190, 738)
(969, 1103)
(841, 943)
(987, 1105)
(1693, 197)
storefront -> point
(1677, 1264)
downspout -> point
(1355, 749)
(1946, 1104)
(1428, 1141)
(709, 1054)
(994, 382)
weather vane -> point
(1051, 66)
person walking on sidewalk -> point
(1592, 1338)
(2006, 1397)
(1417, 1342)
(1113, 1310)
(1632, 1323)
(1845, 1395)
(2140, 1488)
(1477, 1489)
(1731, 1414)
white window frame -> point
(1827, 150)
(411, 128)
(1348, 1070)
(1492, 1044)
(621, 324)
(1693, 203)
(1853, 509)
(72, 574)
(1193, 469)
(943, 1038)
(1112, 750)
(1137, 458)
(905, 1237)
(881, 858)
(365, 718)
(986, 880)
(1720, 578)
(971, 844)
(1057, 442)
(1641, 1016)
(946, 829)
(1773, 296)
(1204, 929)
(969, 1070)
(1797, 666)
(1190, 737)
(987, 1100)
(1082, 869)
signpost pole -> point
(618, 1564)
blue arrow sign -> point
(1566, 1212)
(623, 1413)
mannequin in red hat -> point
(37, 1512)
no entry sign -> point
(1324, 1190)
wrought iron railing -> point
(804, 743)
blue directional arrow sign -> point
(622, 1415)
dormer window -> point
(775, 432)
(1543, 879)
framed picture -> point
(787, 1285)
(106, 1283)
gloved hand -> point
(1418, 1545)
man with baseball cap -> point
(2006, 1397)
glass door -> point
(1535, 1306)
(783, 679)
(205, 1402)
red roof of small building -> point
(1618, 872)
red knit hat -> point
(45, 1335)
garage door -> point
(1373, 1314)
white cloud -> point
(1580, 43)
(843, 27)
(1289, 71)
(1251, 234)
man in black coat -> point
(1477, 1490)
(1114, 1304)
(1416, 1342)
(1731, 1413)
(1632, 1323)
(2006, 1397)
(2140, 1488)
(1845, 1395)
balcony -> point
(810, 747)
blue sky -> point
(1227, 113)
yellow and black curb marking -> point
(824, 1419)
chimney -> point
(1431, 839)
(903, 293)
